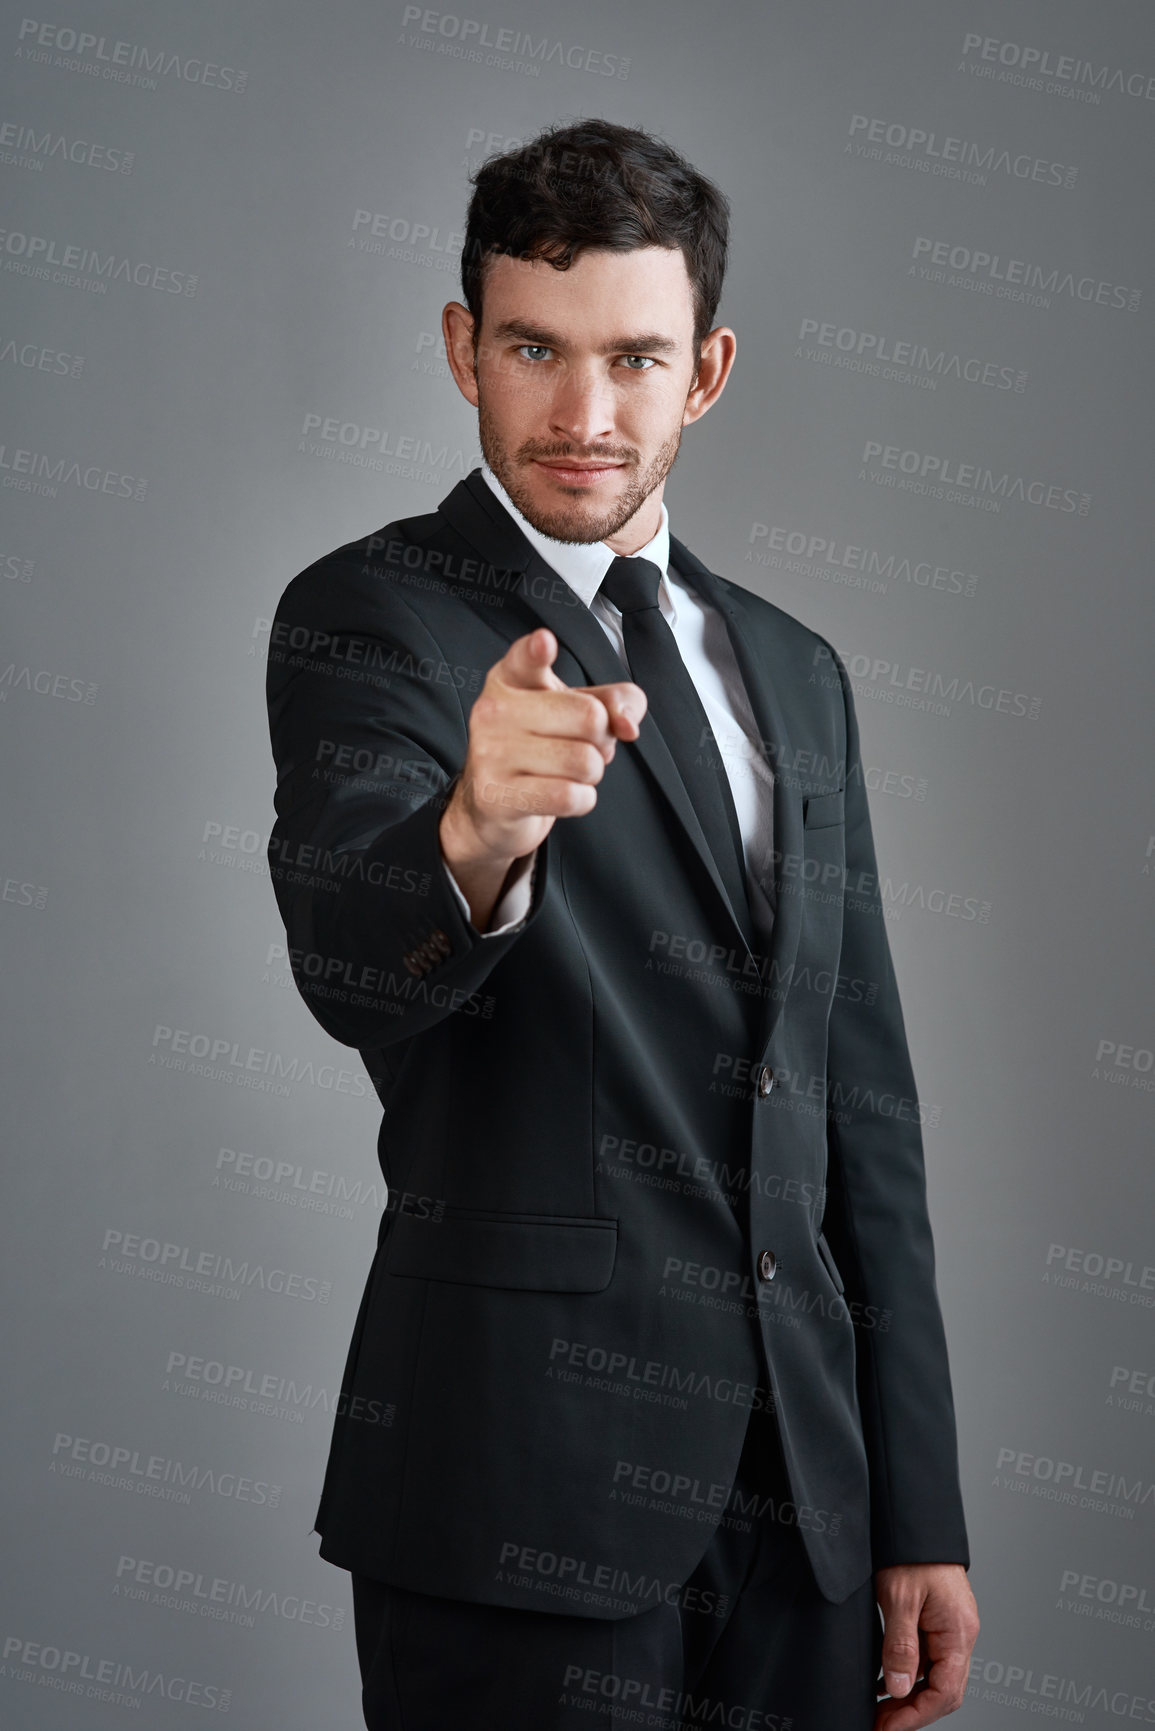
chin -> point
(572, 529)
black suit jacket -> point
(596, 1124)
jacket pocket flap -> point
(820, 810)
(526, 1252)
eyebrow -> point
(640, 343)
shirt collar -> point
(584, 564)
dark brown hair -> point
(596, 184)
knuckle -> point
(591, 711)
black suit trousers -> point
(747, 1641)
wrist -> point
(479, 873)
(462, 846)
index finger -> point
(528, 662)
(625, 703)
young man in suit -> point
(647, 1413)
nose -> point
(581, 411)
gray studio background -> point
(228, 225)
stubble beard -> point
(583, 520)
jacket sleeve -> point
(369, 733)
(878, 1226)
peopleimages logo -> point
(928, 688)
(41, 256)
(252, 1067)
(955, 158)
(275, 1396)
(366, 447)
(1127, 1602)
(44, 473)
(502, 47)
(1013, 279)
(124, 1468)
(45, 683)
(858, 565)
(1052, 1695)
(1039, 69)
(40, 358)
(179, 1588)
(215, 1273)
(946, 478)
(23, 146)
(901, 358)
(122, 62)
(1072, 1482)
(118, 1682)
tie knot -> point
(631, 583)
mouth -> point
(578, 474)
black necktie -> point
(676, 709)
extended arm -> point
(403, 823)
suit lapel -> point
(473, 510)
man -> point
(647, 1411)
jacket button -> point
(767, 1265)
(765, 1079)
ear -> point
(457, 330)
(718, 350)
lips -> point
(578, 472)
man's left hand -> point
(931, 1622)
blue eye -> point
(532, 350)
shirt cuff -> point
(513, 905)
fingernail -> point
(900, 1683)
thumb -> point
(900, 1651)
(528, 662)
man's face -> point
(594, 367)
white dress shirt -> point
(704, 642)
